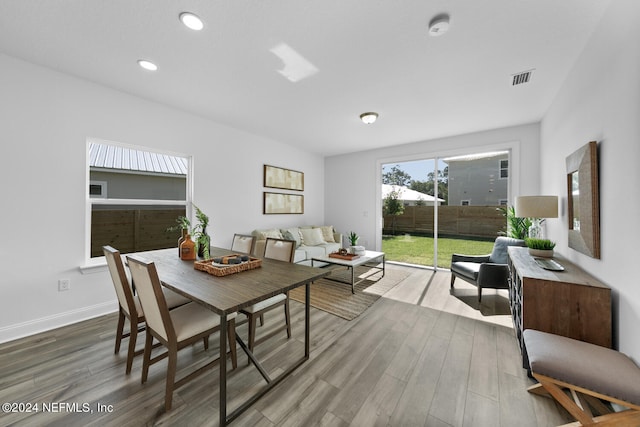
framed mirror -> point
(584, 202)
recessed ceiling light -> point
(191, 21)
(147, 65)
(369, 117)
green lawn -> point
(419, 250)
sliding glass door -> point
(435, 207)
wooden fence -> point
(464, 221)
(132, 230)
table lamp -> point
(536, 207)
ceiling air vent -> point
(521, 78)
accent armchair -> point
(485, 271)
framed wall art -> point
(280, 203)
(286, 179)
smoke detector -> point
(439, 25)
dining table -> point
(225, 295)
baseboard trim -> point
(43, 324)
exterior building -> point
(122, 173)
(479, 179)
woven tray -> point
(215, 270)
(348, 257)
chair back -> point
(242, 243)
(120, 280)
(279, 249)
(499, 253)
(145, 276)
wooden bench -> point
(590, 374)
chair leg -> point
(133, 336)
(231, 334)
(252, 333)
(146, 358)
(171, 376)
(479, 294)
(262, 320)
(453, 279)
(119, 330)
(205, 341)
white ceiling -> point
(371, 55)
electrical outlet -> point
(64, 285)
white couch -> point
(310, 240)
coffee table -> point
(370, 259)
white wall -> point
(352, 186)
(600, 101)
(46, 118)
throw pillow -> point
(311, 236)
(327, 233)
(292, 234)
(263, 234)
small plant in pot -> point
(540, 247)
(353, 239)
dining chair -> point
(281, 250)
(129, 304)
(175, 329)
(242, 243)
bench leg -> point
(580, 406)
(538, 390)
(568, 404)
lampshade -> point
(537, 207)
(369, 118)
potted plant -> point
(517, 228)
(199, 233)
(540, 247)
(353, 239)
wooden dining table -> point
(226, 295)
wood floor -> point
(420, 356)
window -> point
(147, 192)
(98, 189)
(504, 169)
(465, 202)
(503, 202)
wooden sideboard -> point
(571, 303)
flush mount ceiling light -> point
(147, 65)
(369, 117)
(439, 25)
(191, 21)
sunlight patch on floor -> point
(431, 289)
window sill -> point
(94, 265)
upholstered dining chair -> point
(129, 303)
(281, 250)
(175, 329)
(242, 243)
